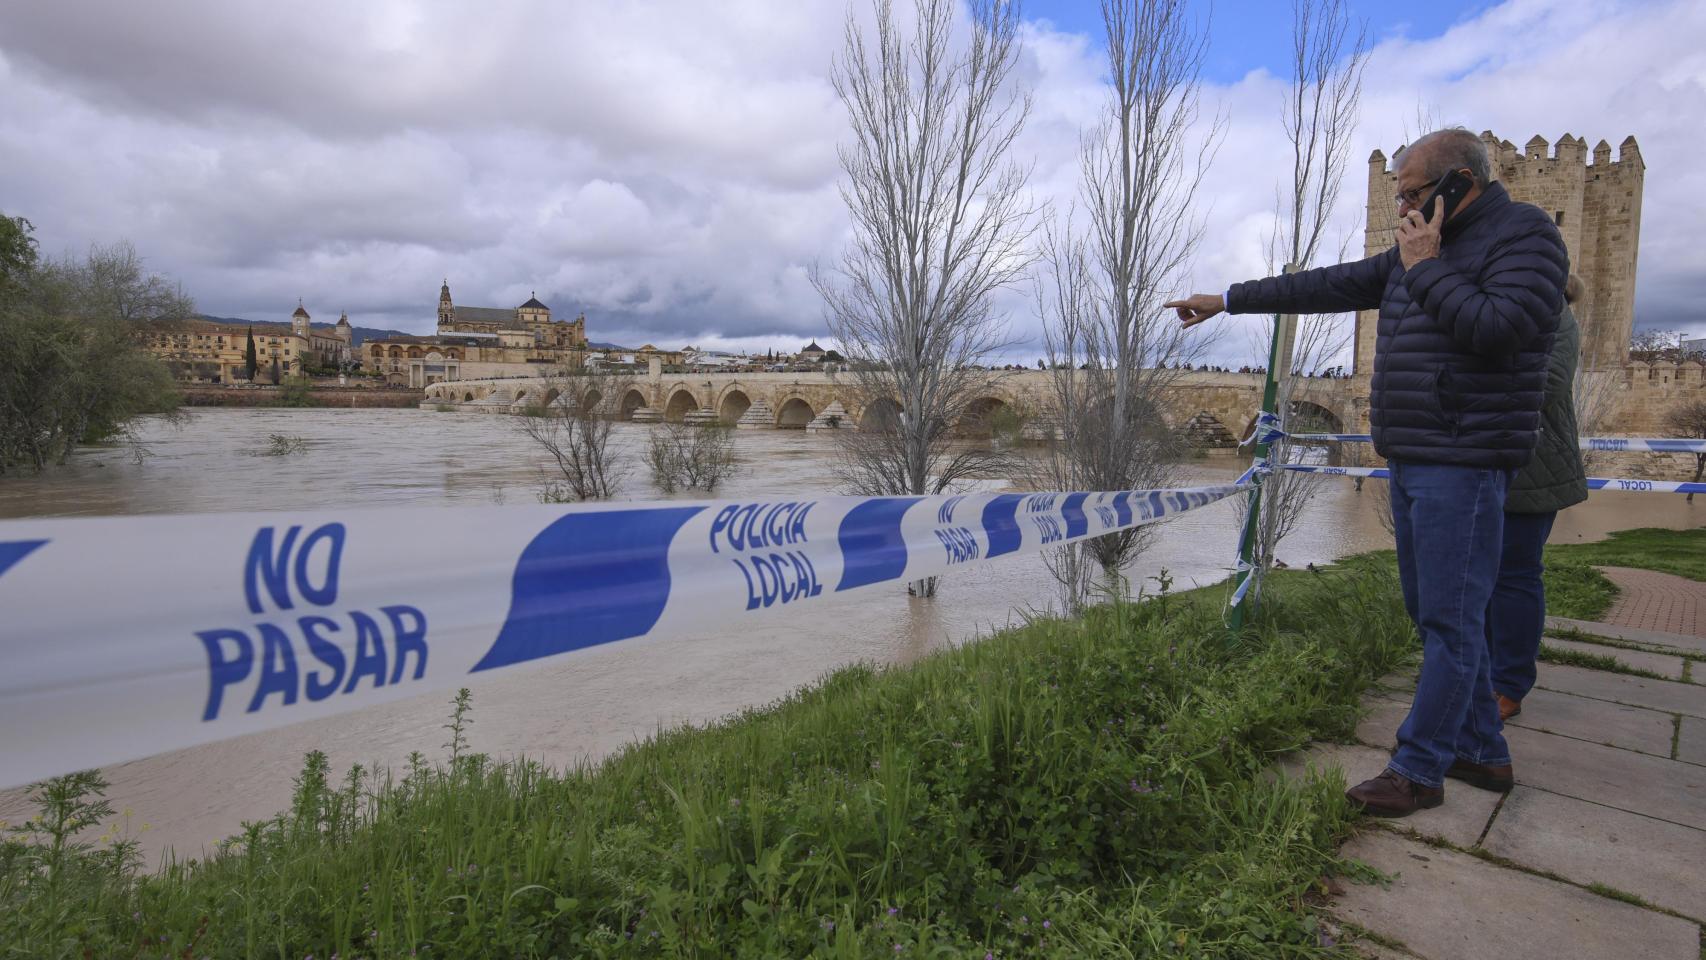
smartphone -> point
(1450, 191)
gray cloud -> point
(669, 168)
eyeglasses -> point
(1414, 197)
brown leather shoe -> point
(1392, 795)
(1508, 708)
(1496, 779)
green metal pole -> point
(1277, 355)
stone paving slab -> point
(1460, 820)
(1445, 905)
(1596, 721)
(1658, 861)
(1654, 638)
(1691, 745)
(1665, 665)
(1666, 695)
(1630, 781)
(1399, 681)
(1650, 600)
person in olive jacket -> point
(1469, 301)
(1553, 480)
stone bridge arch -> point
(633, 399)
(733, 403)
(880, 414)
(979, 418)
(794, 412)
(681, 403)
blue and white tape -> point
(1265, 430)
(1594, 483)
(1599, 444)
(124, 637)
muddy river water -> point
(589, 705)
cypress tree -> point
(250, 364)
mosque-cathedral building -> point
(480, 342)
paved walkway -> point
(1648, 600)
(1599, 852)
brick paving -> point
(1648, 600)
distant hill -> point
(357, 334)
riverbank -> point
(1073, 788)
(210, 395)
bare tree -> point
(1596, 393)
(567, 422)
(1319, 116)
(1653, 346)
(691, 456)
(1689, 420)
(1111, 350)
(941, 223)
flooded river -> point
(593, 703)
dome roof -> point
(300, 312)
(533, 304)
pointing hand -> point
(1197, 307)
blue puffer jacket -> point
(1461, 348)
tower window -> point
(1558, 218)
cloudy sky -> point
(669, 168)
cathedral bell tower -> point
(299, 321)
(446, 310)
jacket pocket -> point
(1445, 405)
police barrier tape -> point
(1594, 483)
(128, 636)
(1599, 444)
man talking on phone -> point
(1468, 300)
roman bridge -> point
(1206, 407)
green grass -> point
(1084, 788)
(1679, 552)
(1576, 590)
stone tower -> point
(299, 321)
(1597, 208)
(446, 309)
(533, 313)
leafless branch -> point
(941, 223)
(1112, 350)
(1329, 53)
(569, 422)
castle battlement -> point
(1596, 206)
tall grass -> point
(1084, 788)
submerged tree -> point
(940, 223)
(567, 423)
(1111, 348)
(74, 368)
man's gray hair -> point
(1453, 148)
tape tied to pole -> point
(212, 626)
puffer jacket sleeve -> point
(1518, 297)
(1339, 288)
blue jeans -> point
(1517, 614)
(1449, 523)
